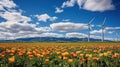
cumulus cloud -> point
(112, 28)
(16, 24)
(91, 5)
(45, 17)
(58, 10)
(80, 3)
(52, 35)
(98, 5)
(8, 4)
(97, 31)
(69, 3)
(21, 30)
(14, 16)
(68, 26)
(108, 31)
(82, 35)
(76, 35)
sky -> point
(59, 18)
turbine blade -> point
(90, 28)
(104, 21)
(91, 20)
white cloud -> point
(53, 18)
(58, 10)
(66, 20)
(52, 35)
(1, 8)
(68, 26)
(14, 17)
(112, 28)
(96, 31)
(69, 3)
(100, 31)
(98, 5)
(91, 5)
(37, 23)
(99, 37)
(108, 30)
(21, 30)
(82, 35)
(80, 3)
(16, 25)
(7, 4)
(45, 17)
(76, 35)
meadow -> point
(43, 54)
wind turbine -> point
(89, 28)
(83, 38)
(117, 37)
(103, 27)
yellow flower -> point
(70, 60)
(101, 54)
(81, 55)
(90, 55)
(60, 57)
(65, 54)
(78, 52)
(105, 54)
(38, 55)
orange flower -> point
(46, 60)
(29, 53)
(74, 55)
(64, 58)
(12, 50)
(58, 52)
(12, 59)
(30, 56)
(116, 55)
(95, 59)
(20, 53)
(94, 51)
(82, 59)
(11, 54)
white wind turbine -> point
(103, 27)
(117, 37)
(89, 28)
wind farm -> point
(59, 33)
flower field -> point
(59, 54)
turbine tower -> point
(117, 37)
(103, 27)
(89, 28)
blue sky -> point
(58, 18)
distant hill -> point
(51, 39)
